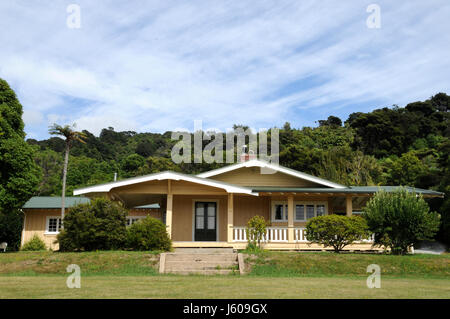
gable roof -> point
(103, 188)
(278, 168)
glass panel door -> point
(205, 221)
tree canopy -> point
(19, 174)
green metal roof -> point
(54, 202)
(350, 190)
(70, 201)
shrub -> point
(336, 231)
(98, 225)
(34, 244)
(148, 234)
(400, 219)
(256, 229)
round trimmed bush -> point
(148, 234)
(336, 231)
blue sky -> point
(160, 65)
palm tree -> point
(70, 135)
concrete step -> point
(202, 272)
(199, 257)
(200, 263)
(197, 269)
(204, 250)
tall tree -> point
(19, 175)
(70, 135)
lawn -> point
(120, 274)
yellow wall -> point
(35, 223)
(183, 215)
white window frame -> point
(47, 224)
(285, 211)
(129, 218)
(305, 203)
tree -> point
(70, 136)
(400, 220)
(405, 170)
(336, 231)
(256, 229)
(331, 121)
(19, 175)
(98, 225)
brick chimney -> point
(247, 156)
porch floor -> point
(272, 246)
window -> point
(313, 209)
(133, 219)
(310, 212)
(320, 210)
(53, 225)
(300, 212)
(303, 211)
(279, 212)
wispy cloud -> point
(157, 66)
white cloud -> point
(157, 66)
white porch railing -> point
(280, 235)
(273, 234)
(300, 235)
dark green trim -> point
(349, 190)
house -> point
(42, 216)
(211, 209)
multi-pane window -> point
(310, 212)
(211, 217)
(320, 210)
(300, 212)
(53, 224)
(303, 211)
(200, 216)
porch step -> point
(200, 257)
(199, 263)
(204, 250)
(202, 272)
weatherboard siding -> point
(251, 176)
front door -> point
(205, 221)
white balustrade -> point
(280, 235)
(299, 235)
(273, 234)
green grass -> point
(122, 263)
(125, 274)
(282, 264)
(225, 287)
